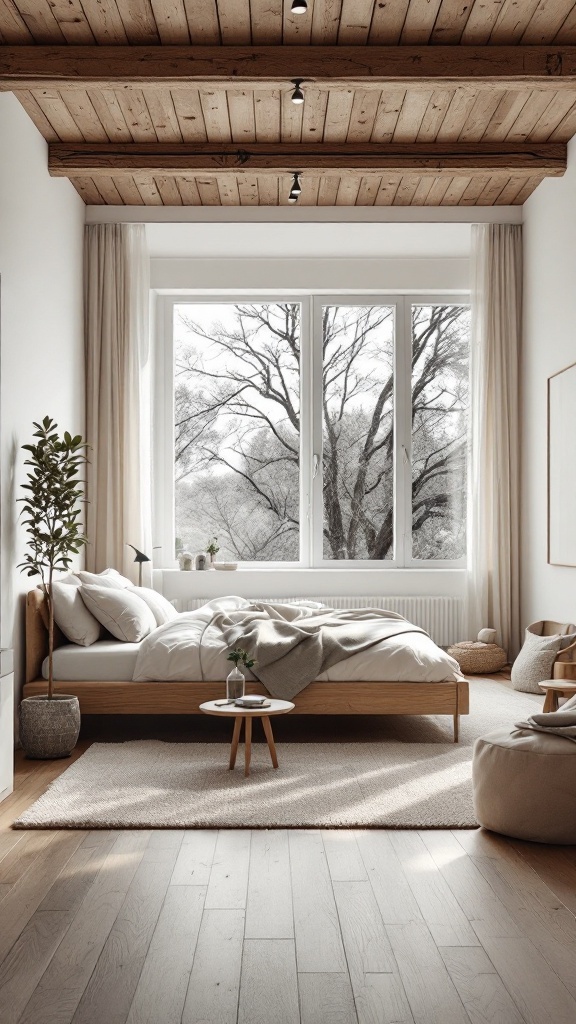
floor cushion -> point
(478, 658)
(525, 785)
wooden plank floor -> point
(280, 927)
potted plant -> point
(212, 549)
(236, 681)
(49, 725)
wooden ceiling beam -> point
(103, 159)
(39, 67)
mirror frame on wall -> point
(561, 477)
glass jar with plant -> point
(236, 681)
(51, 511)
(212, 549)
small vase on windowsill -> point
(212, 550)
(235, 683)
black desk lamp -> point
(140, 558)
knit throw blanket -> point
(292, 646)
(557, 723)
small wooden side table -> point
(554, 689)
(277, 707)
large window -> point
(318, 431)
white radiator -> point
(441, 617)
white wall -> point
(304, 240)
(278, 276)
(303, 214)
(296, 257)
(41, 228)
(548, 591)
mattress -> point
(106, 660)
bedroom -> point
(344, 916)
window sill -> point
(303, 582)
(302, 569)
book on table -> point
(252, 701)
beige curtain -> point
(117, 293)
(493, 590)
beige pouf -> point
(476, 658)
(525, 785)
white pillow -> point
(159, 605)
(108, 578)
(72, 615)
(123, 614)
(71, 580)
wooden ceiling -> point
(328, 22)
(470, 106)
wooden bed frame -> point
(184, 698)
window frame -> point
(165, 505)
(311, 428)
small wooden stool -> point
(554, 689)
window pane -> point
(237, 429)
(440, 401)
(358, 378)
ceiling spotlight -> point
(297, 96)
(296, 188)
(299, 6)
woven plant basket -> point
(476, 658)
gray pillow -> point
(535, 662)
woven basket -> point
(476, 658)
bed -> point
(329, 696)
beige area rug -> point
(411, 777)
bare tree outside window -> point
(357, 414)
(237, 429)
(440, 403)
